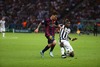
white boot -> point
(51, 54)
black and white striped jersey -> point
(64, 31)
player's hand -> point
(36, 30)
(50, 37)
(74, 39)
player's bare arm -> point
(37, 29)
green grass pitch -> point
(23, 50)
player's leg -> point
(46, 47)
(3, 32)
(0, 30)
(62, 50)
(52, 43)
(69, 49)
(52, 47)
(96, 32)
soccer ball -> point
(67, 53)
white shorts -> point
(2, 29)
(67, 45)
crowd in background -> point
(26, 14)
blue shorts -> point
(50, 41)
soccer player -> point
(95, 29)
(66, 48)
(50, 25)
(79, 28)
(2, 26)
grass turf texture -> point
(23, 50)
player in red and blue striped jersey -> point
(50, 25)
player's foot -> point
(63, 56)
(66, 54)
(42, 54)
(51, 54)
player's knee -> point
(72, 54)
(61, 44)
(54, 42)
(49, 45)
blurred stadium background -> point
(22, 50)
(24, 15)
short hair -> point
(66, 21)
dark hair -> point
(66, 21)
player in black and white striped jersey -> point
(66, 48)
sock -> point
(13, 30)
(52, 47)
(62, 51)
(45, 49)
(3, 34)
